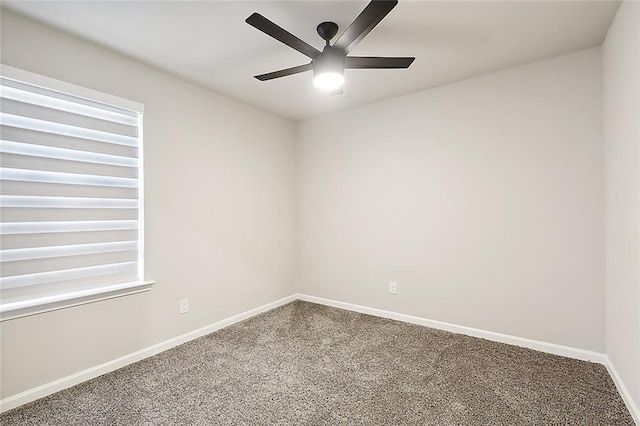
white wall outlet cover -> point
(393, 288)
(184, 306)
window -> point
(70, 195)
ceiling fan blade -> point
(364, 23)
(266, 26)
(376, 62)
(284, 72)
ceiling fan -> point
(328, 66)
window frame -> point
(37, 305)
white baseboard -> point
(624, 392)
(538, 345)
(90, 373)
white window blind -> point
(70, 199)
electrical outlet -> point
(393, 288)
(184, 306)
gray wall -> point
(219, 212)
(483, 199)
(622, 202)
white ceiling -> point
(209, 43)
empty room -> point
(320, 212)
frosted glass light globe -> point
(329, 80)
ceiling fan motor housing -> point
(330, 61)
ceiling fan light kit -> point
(328, 66)
(328, 69)
(328, 80)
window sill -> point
(9, 311)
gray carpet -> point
(306, 364)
